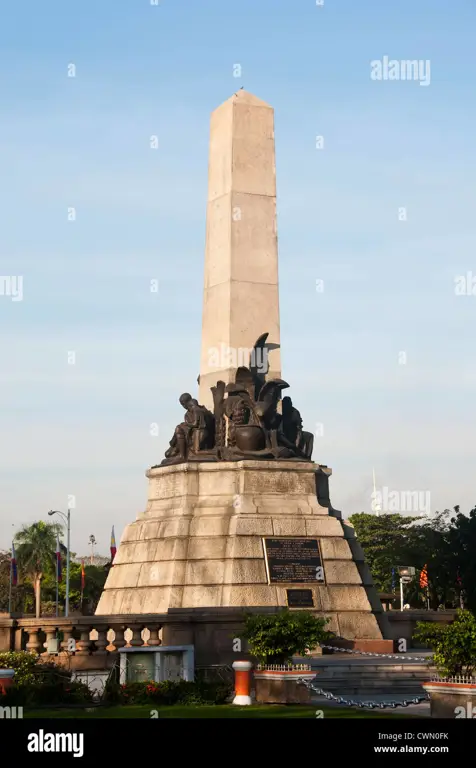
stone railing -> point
(93, 635)
(212, 631)
(460, 679)
(283, 667)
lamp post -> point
(10, 585)
(68, 529)
(10, 596)
(92, 542)
(406, 572)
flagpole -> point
(57, 584)
(68, 523)
(10, 586)
(83, 584)
(66, 608)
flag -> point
(424, 577)
(83, 576)
(58, 561)
(113, 545)
(13, 567)
(459, 579)
(393, 579)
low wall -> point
(403, 623)
(213, 632)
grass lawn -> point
(218, 711)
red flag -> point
(424, 577)
(83, 576)
(113, 545)
(59, 572)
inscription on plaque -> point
(293, 561)
(300, 598)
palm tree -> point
(36, 553)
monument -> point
(240, 298)
(238, 514)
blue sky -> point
(389, 285)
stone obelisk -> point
(204, 540)
(240, 300)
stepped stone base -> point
(367, 676)
(199, 545)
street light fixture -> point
(406, 573)
(68, 528)
(92, 542)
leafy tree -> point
(22, 593)
(35, 550)
(95, 578)
(386, 540)
(462, 555)
(4, 580)
(446, 544)
(36, 561)
(454, 644)
(427, 546)
(275, 638)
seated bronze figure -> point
(195, 435)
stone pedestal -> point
(451, 699)
(274, 687)
(199, 544)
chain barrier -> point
(363, 704)
(381, 655)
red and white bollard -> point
(242, 682)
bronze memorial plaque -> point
(293, 561)
(300, 598)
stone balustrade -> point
(94, 635)
(212, 632)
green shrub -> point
(276, 638)
(167, 693)
(36, 683)
(201, 692)
(112, 692)
(24, 664)
(61, 691)
(454, 644)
